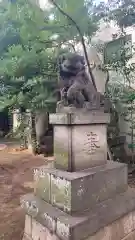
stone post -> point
(28, 122)
(80, 140)
(17, 117)
(83, 196)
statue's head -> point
(72, 63)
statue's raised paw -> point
(87, 105)
(60, 106)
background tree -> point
(123, 12)
(87, 22)
(121, 90)
(30, 40)
(27, 60)
(120, 11)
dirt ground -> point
(16, 178)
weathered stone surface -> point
(28, 225)
(62, 147)
(26, 237)
(61, 193)
(121, 229)
(45, 213)
(81, 226)
(42, 184)
(78, 191)
(80, 140)
(79, 117)
(118, 230)
(89, 146)
(38, 231)
(80, 147)
(130, 236)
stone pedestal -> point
(84, 196)
(79, 140)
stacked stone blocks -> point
(83, 196)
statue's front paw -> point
(87, 105)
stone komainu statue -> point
(76, 86)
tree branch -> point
(82, 39)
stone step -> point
(122, 229)
(78, 191)
(78, 226)
(35, 231)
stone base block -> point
(38, 231)
(79, 191)
(121, 229)
(79, 226)
(130, 236)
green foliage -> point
(118, 50)
(30, 41)
(121, 11)
(27, 67)
(81, 12)
(122, 93)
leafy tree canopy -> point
(81, 12)
(30, 40)
(27, 57)
(121, 11)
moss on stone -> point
(61, 157)
(42, 187)
(61, 193)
